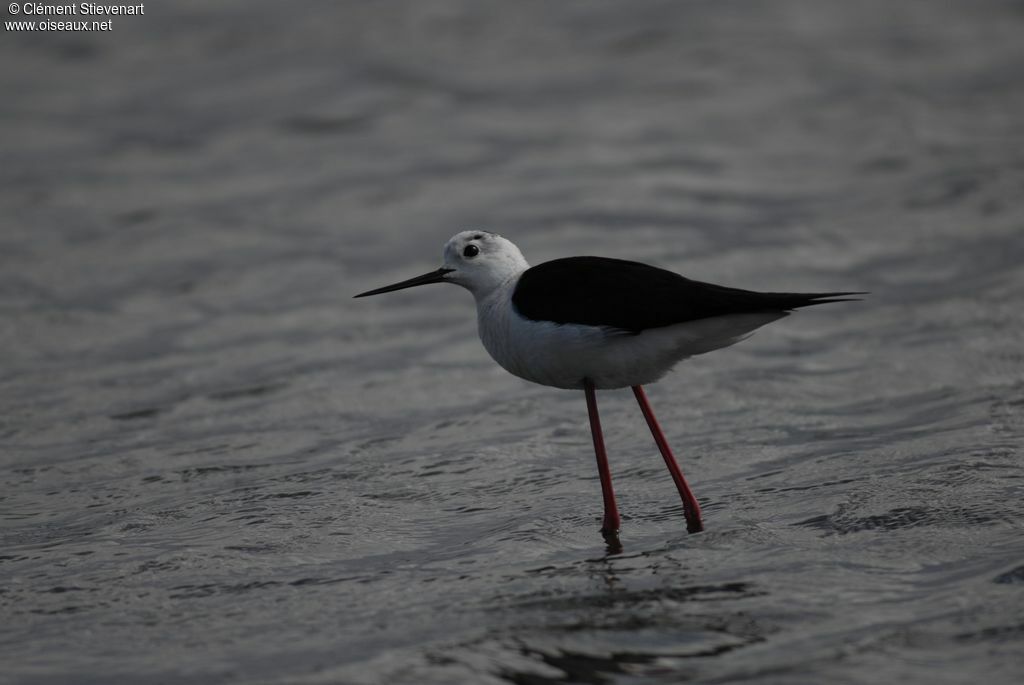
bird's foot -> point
(611, 539)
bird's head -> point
(477, 260)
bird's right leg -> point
(610, 527)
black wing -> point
(597, 291)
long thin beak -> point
(432, 277)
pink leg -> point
(690, 507)
(611, 523)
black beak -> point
(432, 277)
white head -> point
(477, 260)
(481, 261)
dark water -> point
(218, 468)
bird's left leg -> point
(690, 507)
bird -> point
(599, 323)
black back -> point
(598, 291)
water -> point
(219, 468)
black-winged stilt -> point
(596, 323)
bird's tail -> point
(797, 300)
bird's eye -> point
(470, 251)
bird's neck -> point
(496, 285)
(497, 295)
(493, 310)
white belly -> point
(563, 355)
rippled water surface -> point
(219, 468)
